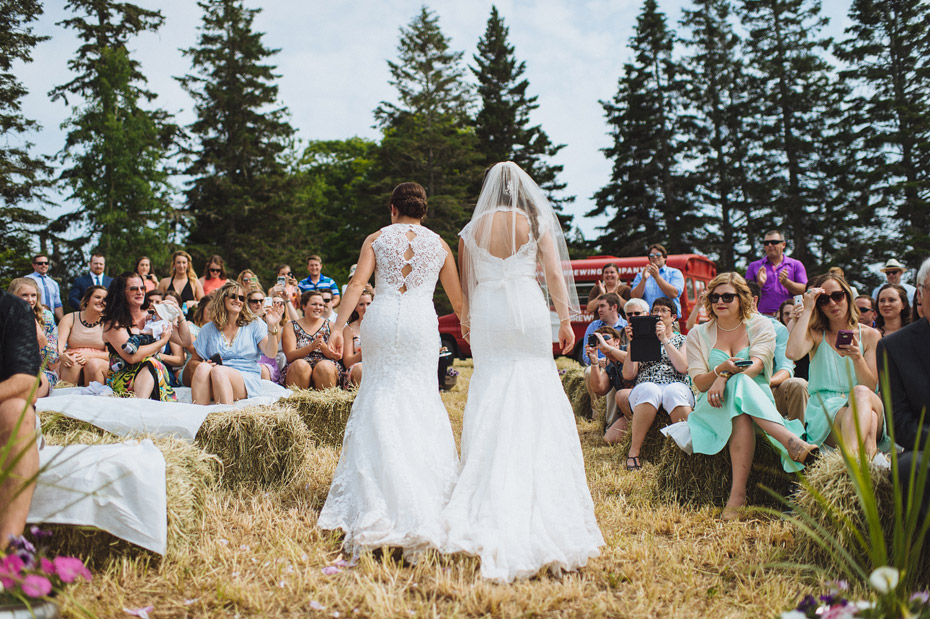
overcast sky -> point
(334, 72)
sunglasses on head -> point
(836, 296)
(239, 297)
(772, 242)
(728, 297)
(40, 263)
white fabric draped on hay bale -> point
(117, 488)
(127, 416)
(681, 434)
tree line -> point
(746, 119)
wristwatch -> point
(274, 331)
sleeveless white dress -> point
(522, 501)
(399, 462)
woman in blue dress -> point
(734, 396)
(239, 339)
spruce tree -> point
(428, 135)
(22, 175)
(714, 87)
(115, 151)
(646, 196)
(239, 199)
(887, 56)
(503, 122)
(789, 80)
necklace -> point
(728, 330)
(91, 325)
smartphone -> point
(592, 340)
(799, 299)
(217, 359)
(843, 338)
(268, 301)
(742, 363)
(282, 281)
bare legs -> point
(217, 383)
(93, 370)
(742, 447)
(323, 375)
(869, 409)
(13, 516)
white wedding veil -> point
(511, 212)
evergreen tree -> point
(887, 56)
(116, 150)
(646, 196)
(22, 175)
(240, 198)
(789, 81)
(428, 135)
(503, 122)
(714, 87)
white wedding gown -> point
(398, 463)
(522, 501)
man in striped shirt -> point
(317, 281)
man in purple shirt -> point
(779, 276)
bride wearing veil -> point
(521, 502)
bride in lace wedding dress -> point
(521, 502)
(398, 463)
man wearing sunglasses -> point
(779, 276)
(49, 291)
(893, 271)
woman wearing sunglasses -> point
(231, 346)
(730, 363)
(133, 354)
(842, 366)
(214, 274)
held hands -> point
(70, 358)
(715, 393)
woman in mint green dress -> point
(734, 397)
(838, 374)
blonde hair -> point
(742, 292)
(819, 320)
(218, 313)
(191, 273)
(18, 283)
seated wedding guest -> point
(183, 280)
(790, 392)
(172, 355)
(351, 335)
(19, 364)
(698, 315)
(49, 291)
(199, 318)
(734, 395)
(248, 280)
(46, 332)
(230, 347)
(917, 306)
(214, 274)
(269, 365)
(867, 313)
(907, 353)
(894, 310)
(658, 384)
(317, 281)
(134, 366)
(842, 366)
(608, 315)
(81, 348)
(95, 277)
(286, 287)
(784, 311)
(306, 346)
(144, 269)
(604, 378)
(610, 282)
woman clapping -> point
(306, 346)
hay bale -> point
(701, 480)
(325, 412)
(582, 405)
(259, 446)
(653, 443)
(190, 475)
(59, 424)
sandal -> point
(636, 463)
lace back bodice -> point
(405, 265)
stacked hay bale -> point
(324, 412)
(582, 405)
(701, 480)
(653, 443)
(259, 446)
(190, 475)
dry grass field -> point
(260, 555)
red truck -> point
(698, 271)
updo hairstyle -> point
(410, 200)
